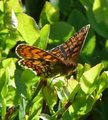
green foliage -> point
(97, 15)
(23, 95)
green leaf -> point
(77, 15)
(103, 83)
(36, 109)
(71, 89)
(50, 96)
(22, 108)
(80, 106)
(81, 69)
(10, 63)
(3, 112)
(97, 16)
(21, 88)
(29, 78)
(49, 14)
(66, 90)
(8, 25)
(65, 6)
(89, 79)
(9, 66)
(100, 13)
(28, 28)
(60, 32)
(13, 97)
(1, 7)
(89, 46)
(9, 7)
(44, 35)
(4, 78)
(25, 81)
(13, 4)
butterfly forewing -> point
(38, 60)
(58, 59)
(69, 51)
(29, 52)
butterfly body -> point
(61, 59)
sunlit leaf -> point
(44, 35)
(49, 14)
(89, 79)
(28, 28)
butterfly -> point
(61, 59)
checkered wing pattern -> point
(64, 55)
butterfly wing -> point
(29, 52)
(37, 66)
(69, 51)
(38, 60)
(64, 55)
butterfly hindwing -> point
(37, 66)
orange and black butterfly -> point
(61, 59)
